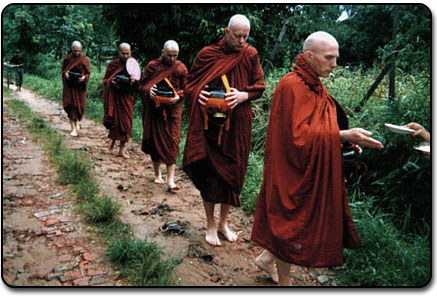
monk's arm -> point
(257, 86)
(359, 136)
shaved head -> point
(76, 44)
(76, 48)
(124, 45)
(320, 51)
(171, 45)
(318, 40)
(124, 51)
(237, 32)
(238, 19)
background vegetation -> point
(390, 200)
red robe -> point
(218, 171)
(302, 214)
(161, 126)
(118, 103)
(74, 93)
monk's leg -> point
(266, 262)
(158, 173)
(283, 273)
(223, 225)
(73, 128)
(122, 151)
(111, 144)
(211, 236)
(171, 169)
(77, 125)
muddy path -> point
(176, 221)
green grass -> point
(387, 258)
(138, 259)
(146, 268)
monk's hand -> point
(361, 137)
(81, 79)
(67, 75)
(152, 92)
(175, 99)
(114, 82)
(235, 97)
(203, 96)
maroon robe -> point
(118, 103)
(218, 171)
(302, 214)
(74, 92)
(161, 125)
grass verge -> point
(145, 267)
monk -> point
(118, 100)
(75, 75)
(302, 215)
(162, 124)
(216, 156)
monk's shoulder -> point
(290, 81)
(181, 68)
(251, 51)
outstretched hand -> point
(361, 137)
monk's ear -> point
(227, 30)
(308, 55)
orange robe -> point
(162, 125)
(74, 92)
(118, 103)
(302, 214)
(218, 171)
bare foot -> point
(228, 233)
(267, 267)
(159, 180)
(123, 154)
(74, 133)
(77, 126)
(211, 237)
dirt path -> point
(175, 221)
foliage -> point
(387, 258)
(397, 176)
(141, 261)
(45, 32)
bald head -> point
(170, 52)
(171, 45)
(238, 20)
(237, 32)
(318, 40)
(124, 51)
(320, 51)
(76, 47)
(75, 44)
(124, 45)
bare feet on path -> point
(227, 233)
(270, 268)
(211, 236)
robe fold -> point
(218, 171)
(302, 214)
(74, 92)
(118, 103)
(161, 125)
